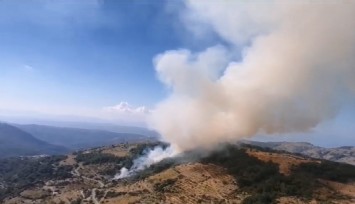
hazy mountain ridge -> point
(345, 154)
(16, 142)
(31, 140)
(105, 126)
(84, 125)
(79, 138)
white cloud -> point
(125, 113)
(126, 108)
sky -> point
(94, 60)
(78, 57)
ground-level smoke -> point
(153, 156)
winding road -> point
(92, 197)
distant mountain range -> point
(16, 142)
(22, 140)
(78, 138)
(344, 154)
(30, 140)
(100, 126)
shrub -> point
(163, 186)
(261, 179)
(20, 173)
(98, 158)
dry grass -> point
(35, 194)
(70, 160)
(118, 151)
(285, 161)
(190, 183)
(67, 197)
(347, 189)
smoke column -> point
(286, 67)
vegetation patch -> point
(264, 182)
(165, 185)
(97, 158)
(114, 194)
(21, 173)
(328, 170)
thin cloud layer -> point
(125, 107)
(126, 113)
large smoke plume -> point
(287, 66)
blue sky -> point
(65, 55)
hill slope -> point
(232, 174)
(338, 154)
(16, 142)
(77, 138)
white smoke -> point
(297, 69)
(153, 156)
